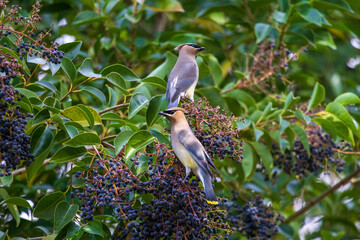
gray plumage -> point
(190, 151)
(184, 76)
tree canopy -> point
(84, 153)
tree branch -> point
(114, 108)
(322, 196)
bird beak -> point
(163, 113)
(202, 48)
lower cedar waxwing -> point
(184, 76)
(190, 151)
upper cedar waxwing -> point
(190, 151)
(184, 76)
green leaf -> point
(87, 70)
(42, 116)
(338, 111)
(317, 96)
(265, 155)
(214, 68)
(126, 73)
(54, 68)
(67, 154)
(248, 163)
(243, 97)
(301, 133)
(157, 104)
(164, 69)
(160, 137)
(41, 143)
(36, 60)
(312, 15)
(164, 6)
(155, 81)
(69, 68)
(121, 140)
(64, 213)
(95, 93)
(84, 115)
(12, 208)
(290, 101)
(45, 84)
(46, 207)
(280, 17)
(137, 102)
(94, 227)
(347, 98)
(6, 180)
(71, 49)
(118, 81)
(86, 17)
(18, 201)
(137, 141)
(29, 94)
(213, 96)
(262, 30)
(324, 38)
(84, 139)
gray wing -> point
(181, 78)
(197, 151)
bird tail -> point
(174, 103)
(208, 188)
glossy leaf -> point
(136, 142)
(86, 17)
(157, 104)
(126, 73)
(87, 70)
(118, 81)
(67, 154)
(265, 156)
(12, 207)
(317, 96)
(95, 93)
(121, 140)
(46, 207)
(137, 102)
(155, 81)
(69, 68)
(301, 133)
(164, 69)
(164, 6)
(214, 68)
(84, 139)
(64, 213)
(248, 163)
(18, 201)
(94, 227)
(347, 98)
(71, 49)
(262, 30)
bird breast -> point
(183, 155)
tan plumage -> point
(184, 76)
(189, 150)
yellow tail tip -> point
(212, 202)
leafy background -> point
(112, 79)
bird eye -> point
(170, 112)
(195, 46)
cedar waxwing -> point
(190, 151)
(184, 76)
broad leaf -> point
(137, 102)
(317, 96)
(64, 213)
(136, 142)
(46, 207)
(87, 70)
(67, 154)
(157, 104)
(84, 139)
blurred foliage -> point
(281, 64)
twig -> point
(248, 11)
(322, 196)
(74, 88)
(22, 170)
(109, 137)
(108, 145)
(32, 74)
(114, 108)
(343, 152)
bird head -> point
(174, 114)
(189, 48)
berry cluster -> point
(18, 33)
(268, 68)
(15, 144)
(254, 220)
(322, 149)
(214, 129)
(171, 207)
